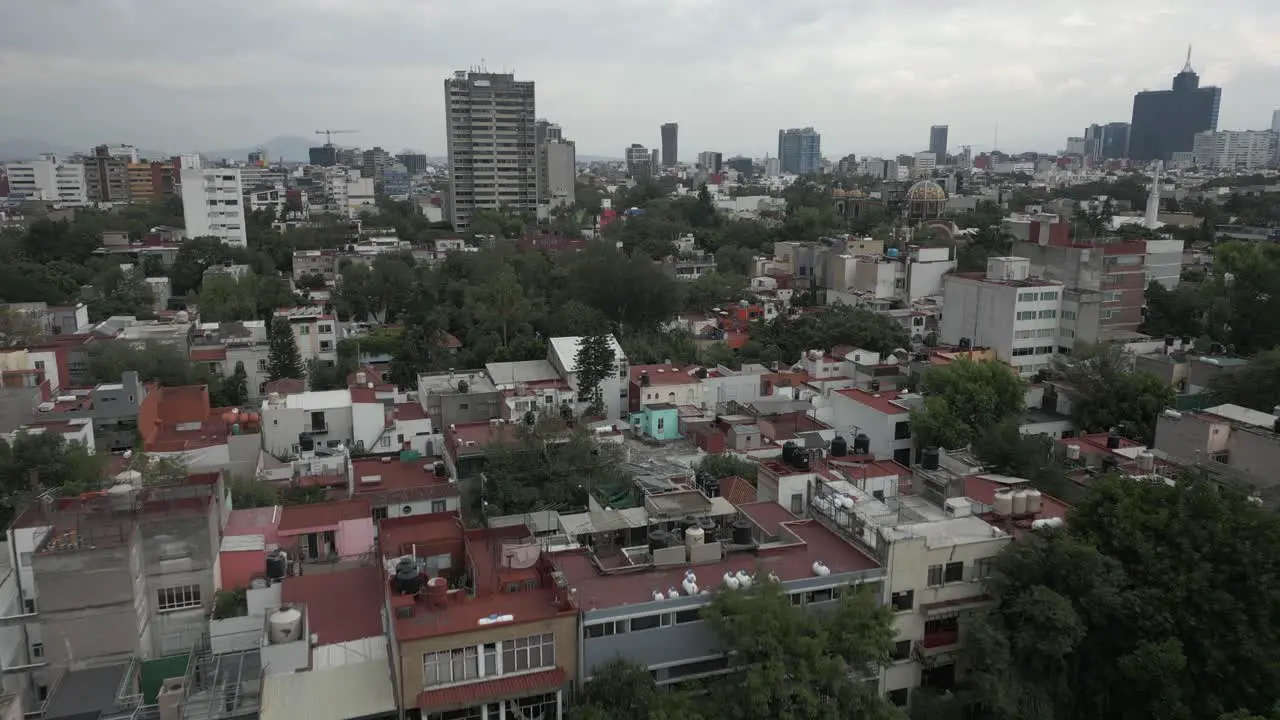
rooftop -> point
(318, 400)
(665, 374)
(353, 690)
(523, 371)
(889, 402)
(472, 438)
(1029, 282)
(408, 479)
(341, 606)
(566, 349)
(459, 382)
(296, 519)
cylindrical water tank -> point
(1020, 502)
(277, 565)
(284, 625)
(659, 539)
(861, 444)
(742, 532)
(744, 580)
(694, 536)
(730, 581)
(839, 447)
(1033, 501)
(1003, 503)
(930, 458)
(408, 577)
(820, 569)
(1146, 461)
(1073, 452)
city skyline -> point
(1073, 67)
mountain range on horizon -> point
(290, 148)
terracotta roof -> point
(410, 411)
(881, 401)
(212, 354)
(665, 374)
(503, 688)
(341, 606)
(737, 491)
(286, 386)
(296, 518)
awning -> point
(504, 688)
(947, 608)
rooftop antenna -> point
(1187, 66)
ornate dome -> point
(926, 191)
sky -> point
(870, 75)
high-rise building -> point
(1166, 121)
(938, 142)
(742, 164)
(799, 151)
(490, 120)
(710, 162)
(639, 161)
(48, 180)
(106, 173)
(152, 181)
(213, 204)
(557, 172)
(1235, 150)
(323, 155)
(670, 149)
(413, 162)
(1093, 136)
(1115, 141)
(1275, 121)
(375, 162)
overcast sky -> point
(870, 75)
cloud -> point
(872, 76)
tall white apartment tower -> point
(213, 204)
(490, 123)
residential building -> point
(710, 162)
(654, 161)
(1007, 310)
(151, 182)
(938, 142)
(530, 385)
(557, 173)
(481, 623)
(1104, 285)
(48, 180)
(1237, 443)
(924, 164)
(315, 262)
(315, 331)
(799, 151)
(1040, 228)
(456, 398)
(302, 422)
(212, 205)
(665, 384)
(415, 163)
(403, 485)
(562, 353)
(670, 148)
(1229, 150)
(106, 172)
(492, 155)
(375, 161)
(180, 423)
(883, 417)
(111, 410)
(639, 162)
(222, 347)
(1166, 121)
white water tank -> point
(1046, 523)
(1020, 502)
(694, 536)
(730, 581)
(1146, 461)
(284, 625)
(820, 569)
(1003, 503)
(744, 580)
(1034, 501)
(1073, 452)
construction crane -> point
(328, 134)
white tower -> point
(1152, 219)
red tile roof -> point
(665, 374)
(983, 490)
(417, 477)
(208, 354)
(341, 606)
(410, 411)
(298, 518)
(738, 491)
(503, 688)
(882, 401)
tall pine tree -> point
(283, 358)
(595, 360)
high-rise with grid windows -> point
(489, 121)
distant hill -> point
(290, 147)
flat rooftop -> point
(341, 606)
(904, 517)
(453, 383)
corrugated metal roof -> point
(336, 693)
(242, 543)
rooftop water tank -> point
(1034, 501)
(1003, 503)
(694, 536)
(408, 576)
(839, 447)
(284, 625)
(659, 540)
(1073, 452)
(742, 532)
(1020, 502)
(931, 458)
(277, 565)
(861, 444)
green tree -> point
(236, 387)
(595, 361)
(1256, 385)
(964, 397)
(1106, 393)
(624, 691)
(1178, 312)
(153, 361)
(120, 292)
(283, 358)
(723, 466)
(223, 298)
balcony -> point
(940, 639)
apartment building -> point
(562, 353)
(315, 333)
(481, 624)
(1233, 441)
(315, 262)
(356, 417)
(489, 119)
(151, 182)
(879, 420)
(1006, 309)
(48, 180)
(1231, 150)
(666, 384)
(213, 204)
(1104, 285)
(557, 173)
(460, 397)
(107, 173)
(639, 162)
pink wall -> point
(355, 537)
(241, 566)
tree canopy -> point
(962, 399)
(1106, 393)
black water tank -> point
(277, 566)
(789, 451)
(659, 539)
(800, 461)
(861, 444)
(1113, 440)
(644, 378)
(440, 470)
(566, 412)
(408, 577)
(742, 532)
(708, 525)
(839, 447)
(930, 458)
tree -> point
(1155, 601)
(1107, 394)
(283, 358)
(1004, 449)
(624, 691)
(1178, 312)
(117, 292)
(595, 361)
(547, 465)
(17, 328)
(48, 461)
(964, 397)
(236, 388)
(1256, 385)
(153, 361)
(831, 326)
(722, 466)
(223, 298)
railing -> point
(940, 639)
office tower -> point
(1275, 121)
(799, 151)
(490, 119)
(557, 165)
(544, 130)
(374, 162)
(1235, 150)
(413, 162)
(670, 151)
(710, 162)
(212, 204)
(744, 165)
(1093, 142)
(639, 161)
(938, 142)
(106, 173)
(1166, 121)
(323, 156)
(1115, 141)
(48, 180)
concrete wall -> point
(13, 642)
(87, 603)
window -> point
(304, 329)
(1107, 314)
(213, 367)
(1047, 314)
(660, 423)
(326, 329)
(326, 345)
(899, 697)
(797, 503)
(903, 600)
(1044, 350)
(1048, 296)
(1023, 334)
(901, 650)
(463, 407)
(450, 666)
(179, 597)
(1026, 297)
(379, 513)
(819, 596)
(935, 575)
(439, 506)
(262, 367)
(983, 568)
(1026, 315)
(40, 365)
(606, 628)
(37, 650)
(1068, 314)
(688, 616)
(954, 572)
(384, 442)
(649, 622)
(535, 651)
(490, 658)
(1111, 296)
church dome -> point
(926, 191)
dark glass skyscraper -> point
(938, 143)
(1166, 121)
(1115, 140)
(799, 151)
(670, 150)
